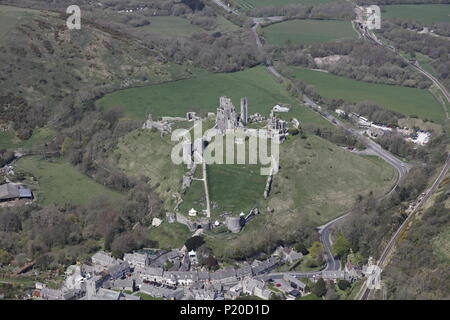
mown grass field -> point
(235, 188)
(308, 31)
(60, 183)
(408, 101)
(202, 92)
(249, 4)
(424, 13)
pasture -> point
(408, 101)
(423, 13)
(170, 26)
(59, 182)
(201, 93)
(308, 31)
(250, 4)
(40, 136)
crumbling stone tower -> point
(244, 111)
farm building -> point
(10, 191)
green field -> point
(170, 235)
(235, 188)
(40, 136)
(408, 101)
(424, 13)
(171, 26)
(176, 26)
(308, 31)
(202, 92)
(250, 4)
(59, 182)
(194, 197)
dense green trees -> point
(420, 268)
(319, 288)
(194, 243)
(341, 247)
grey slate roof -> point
(223, 274)
(244, 271)
(154, 272)
(9, 191)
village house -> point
(259, 267)
(118, 270)
(224, 276)
(152, 274)
(203, 276)
(74, 277)
(161, 292)
(12, 191)
(255, 287)
(185, 278)
(245, 271)
(295, 283)
(103, 259)
(288, 255)
(123, 284)
(139, 260)
(170, 278)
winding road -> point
(390, 247)
(333, 264)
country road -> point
(333, 264)
(402, 168)
(390, 247)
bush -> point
(194, 243)
(343, 284)
(319, 288)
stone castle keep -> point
(228, 118)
